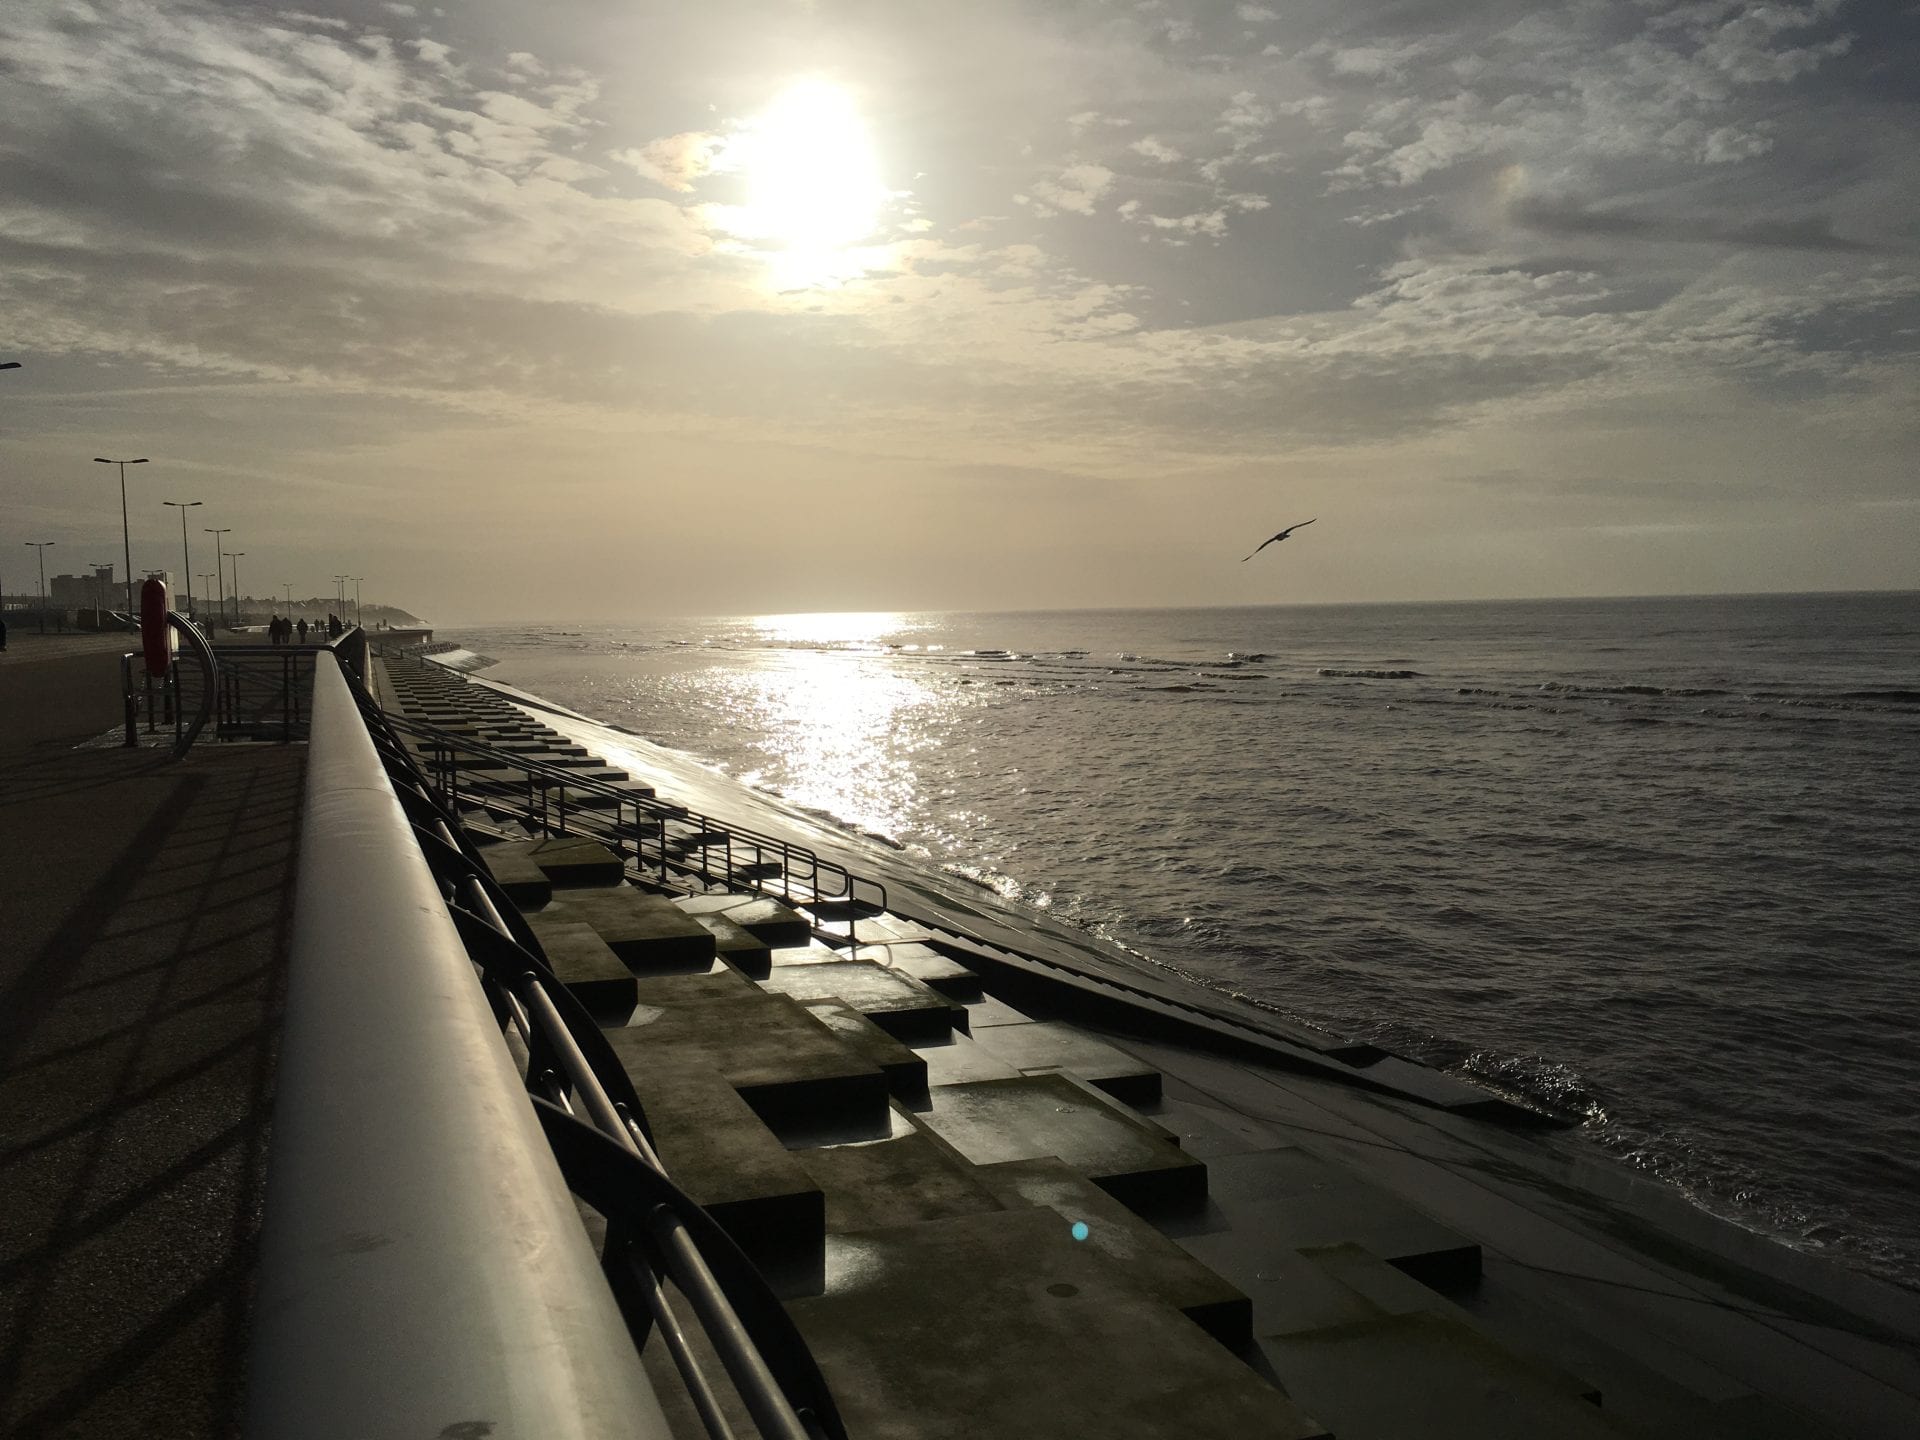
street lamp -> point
(220, 569)
(356, 596)
(41, 546)
(238, 616)
(126, 543)
(185, 555)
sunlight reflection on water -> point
(841, 739)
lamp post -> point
(126, 543)
(96, 589)
(41, 546)
(238, 615)
(220, 569)
(356, 596)
(186, 556)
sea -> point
(1647, 862)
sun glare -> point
(813, 184)
(833, 627)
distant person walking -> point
(333, 626)
(303, 629)
(3, 634)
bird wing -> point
(1301, 526)
(1261, 546)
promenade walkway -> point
(143, 914)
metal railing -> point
(594, 1121)
(422, 1269)
(167, 701)
(666, 843)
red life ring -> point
(156, 638)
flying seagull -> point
(1281, 536)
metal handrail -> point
(546, 804)
(408, 1179)
(791, 1405)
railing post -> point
(132, 705)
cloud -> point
(1596, 87)
(1075, 189)
(1814, 232)
(1479, 228)
(674, 162)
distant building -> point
(83, 592)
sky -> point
(600, 311)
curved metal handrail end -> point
(209, 667)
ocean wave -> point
(1370, 674)
(1548, 1085)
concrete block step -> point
(812, 952)
(722, 1154)
(960, 1060)
(925, 964)
(991, 1121)
(1043, 1046)
(758, 915)
(908, 1178)
(905, 1070)
(736, 945)
(1001, 1324)
(881, 928)
(1391, 1291)
(513, 870)
(984, 1014)
(582, 961)
(645, 931)
(1155, 1262)
(1268, 1205)
(618, 798)
(683, 844)
(1425, 1377)
(572, 861)
(795, 1074)
(755, 869)
(565, 757)
(903, 1007)
(595, 771)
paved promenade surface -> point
(143, 915)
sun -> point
(812, 181)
